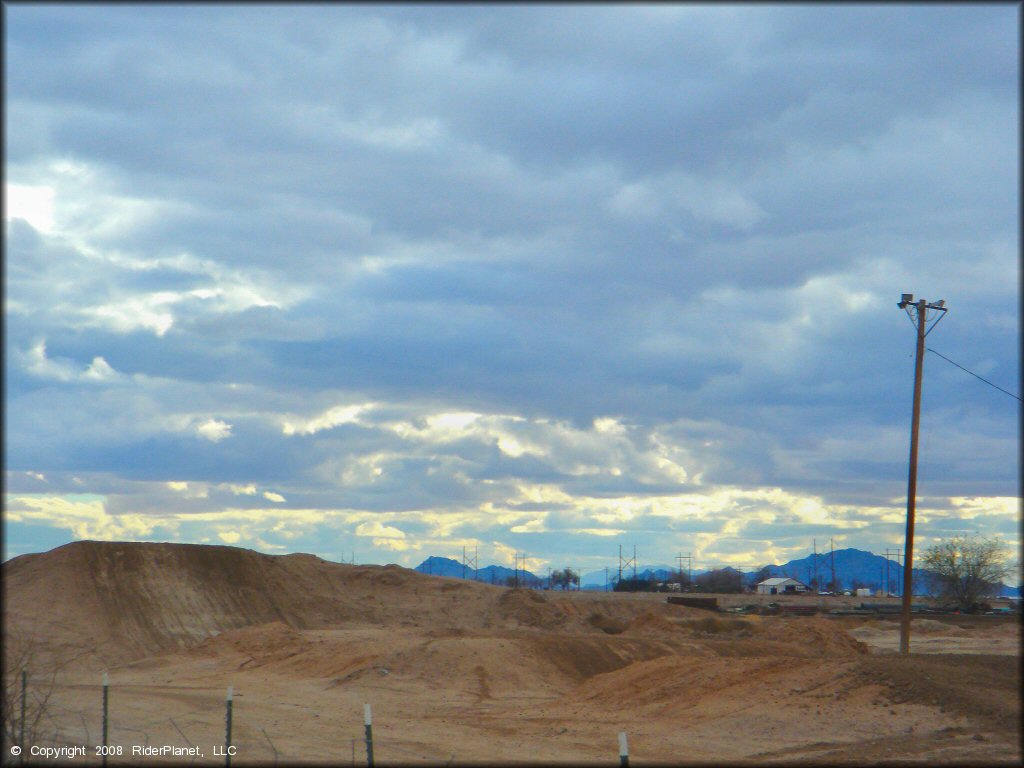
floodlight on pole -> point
(920, 308)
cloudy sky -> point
(387, 281)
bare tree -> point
(30, 679)
(967, 568)
(565, 579)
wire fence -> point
(73, 723)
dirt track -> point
(479, 674)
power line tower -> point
(470, 562)
(920, 309)
(688, 557)
(520, 557)
(627, 562)
(889, 554)
(817, 585)
(832, 585)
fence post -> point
(623, 750)
(21, 728)
(106, 700)
(369, 735)
(227, 734)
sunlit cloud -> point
(213, 430)
(33, 203)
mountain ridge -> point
(850, 567)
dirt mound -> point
(650, 623)
(810, 636)
(983, 688)
(718, 626)
(578, 657)
(678, 681)
(932, 627)
(607, 624)
(262, 643)
(126, 600)
(526, 607)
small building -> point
(782, 586)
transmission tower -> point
(627, 562)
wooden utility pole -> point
(921, 308)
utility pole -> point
(817, 586)
(832, 586)
(921, 309)
(886, 573)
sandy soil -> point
(474, 674)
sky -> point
(384, 282)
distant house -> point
(781, 586)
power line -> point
(974, 374)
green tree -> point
(967, 568)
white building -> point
(781, 586)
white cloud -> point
(332, 417)
(33, 203)
(36, 362)
(706, 199)
(376, 529)
(84, 516)
(213, 430)
(242, 490)
(100, 370)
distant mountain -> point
(853, 568)
(492, 574)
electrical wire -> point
(974, 374)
